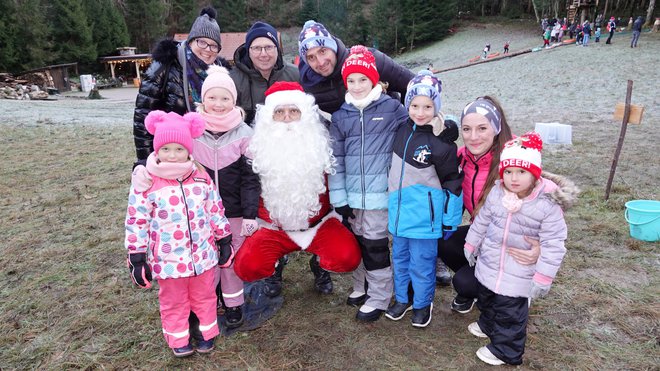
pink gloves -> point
(140, 179)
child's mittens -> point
(225, 252)
(450, 132)
(141, 179)
(248, 227)
(471, 258)
(140, 271)
(538, 290)
(345, 211)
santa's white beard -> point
(291, 160)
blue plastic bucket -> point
(644, 219)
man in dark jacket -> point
(259, 65)
(165, 85)
(636, 31)
(321, 58)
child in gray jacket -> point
(521, 204)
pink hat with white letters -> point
(523, 152)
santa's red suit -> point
(292, 159)
(336, 247)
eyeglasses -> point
(287, 113)
(259, 49)
(204, 45)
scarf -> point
(309, 78)
(511, 201)
(168, 170)
(364, 102)
(224, 123)
(196, 73)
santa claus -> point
(292, 154)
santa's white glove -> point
(472, 260)
(538, 290)
(141, 179)
(248, 227)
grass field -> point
(66, 299)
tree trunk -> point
(649, 13)
(605, 16)
(536, 12)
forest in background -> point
(35, 33)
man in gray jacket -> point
(259, 65)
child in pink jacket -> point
(174, 231)
(521, 204)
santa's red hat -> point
(523, 152)
(287, 93)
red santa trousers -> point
(335, 245)
(178, 296)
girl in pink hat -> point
(177, 233)
(520, 204)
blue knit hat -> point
(314, 35)
(261, 29)
(425, 83)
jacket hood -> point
(165, 51)
(561, 189)
(244, 63)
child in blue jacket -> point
(363, 133)
(425, 200)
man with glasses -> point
(292, 155)
(259, 65)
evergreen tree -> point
(308, 11)
(232, 15)
(426, 20)
(333, 16)
(109, 29)
(181, 15)
(146, 22)
(71, 34)
(33, 44)
(8, 57)
(357, 31)
(386, 25)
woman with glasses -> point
(174, 80)
(259, 65)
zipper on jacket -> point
(185, 202)
(474, 181)
(505, 237)
(403, 167)
(362, 160)
(431, 210)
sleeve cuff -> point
(469, 248)
(542, 279)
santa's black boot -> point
(322, 279)
(273, 283)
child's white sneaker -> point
(485, 355)
(476, 330)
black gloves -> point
(345, 211)
(450, 134)
(225, 252)
(140, 271)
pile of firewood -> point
(28, 86)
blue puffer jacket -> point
(362, 145)
(425, 186)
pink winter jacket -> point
(495, 228)
(474, 181)
(176, 223)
